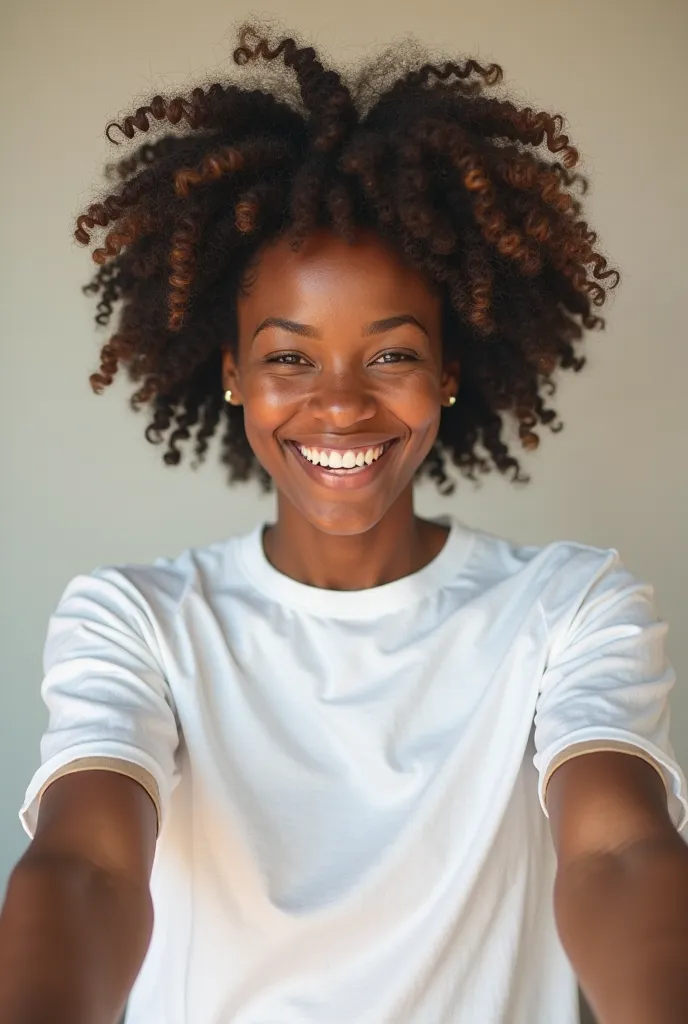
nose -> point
(342, 402)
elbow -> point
(636, 891)
(112, 914)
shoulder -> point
(564, 576)
(506, 557)
(147, 592)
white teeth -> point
(341, 460)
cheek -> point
(425, 433)
(266, 409)
(268, 402)
(417, 405)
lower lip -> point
(360, 476)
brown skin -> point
(621, 892)
(338, 389)
(77, 917)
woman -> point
(299, 775)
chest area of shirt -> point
(306, 739)
(390, 695)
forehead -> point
(329, 269)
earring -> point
(452, 399)
(228, 396)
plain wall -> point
(81, 487)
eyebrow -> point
(306, 331)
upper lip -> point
(342, 443)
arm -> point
(621, 892)
(77, 918)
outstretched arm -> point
(77, 918)
(621, 892)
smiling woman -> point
(303, 775)
(358, 382)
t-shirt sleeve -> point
(607, 681)
(109, 704)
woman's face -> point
(359, 364)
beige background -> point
(84, 488)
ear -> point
(451, 377)
(230, 376)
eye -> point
(284, 356)
(396, 355)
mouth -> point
(343, 478)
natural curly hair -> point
(451, 176)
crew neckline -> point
(359, 604)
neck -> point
(399, 544)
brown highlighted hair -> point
(430, 155)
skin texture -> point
(621, 891)
(337, 389)
(78, 917)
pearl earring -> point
(228, 396)
(452, 399)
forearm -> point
(623, 921)
(72, 939)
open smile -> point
(342, 478)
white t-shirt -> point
(351, 783)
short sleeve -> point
(109, 704)
(607, 681)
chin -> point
(344, 519)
